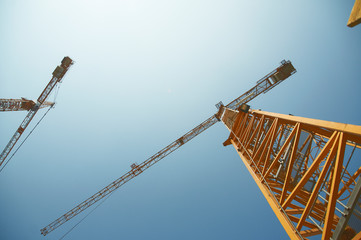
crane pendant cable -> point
(26, 138)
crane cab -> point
(283, 72)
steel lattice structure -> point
(58, 75)
(301, 167)
(268, 82)
(22, 104)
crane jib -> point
(263, 85)
(65, 65)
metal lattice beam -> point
(298, 163)
(263, 85)
(58, 75)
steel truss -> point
(305, 168)
(263, 85)
(33, 107)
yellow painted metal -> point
(349, 182)
(334, 188)
(275, 161)
(318, 126)
(311, 170)
(256, 131)
(335, 126)
(290, 164)
(355, 16)
(287, 225)
(269, 150)
(298, 165)
(313, 196)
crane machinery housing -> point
(31, 106)
(268, 82)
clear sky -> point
(147, 72)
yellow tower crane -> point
(268, 82)
(31, 106)
(303, 168)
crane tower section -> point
(266, 83)
(308, 170)
(58, 75)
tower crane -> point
(31, 106)
(268, 82)
(307, 169)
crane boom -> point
(263, 85)
(22, 104)
(58, 75)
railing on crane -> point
(263, 85)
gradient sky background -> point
(147, 72)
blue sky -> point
(147, 72)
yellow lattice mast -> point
(22, 104)
(303, 168)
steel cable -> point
(71, 229)
(26, 138)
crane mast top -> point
(263, 85)
(58, 75)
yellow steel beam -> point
(282, 217)
(263, 144)
(290, 164)
(288, 140)
(317, 187)
(310, 232)
(355, 16)
(248, 129)
(256, 131)
(350, 181)
(272, 140)
(310, 170)
(263, 139)
(267, 142)
(334, 188)
(342, 127)
(259, 132)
